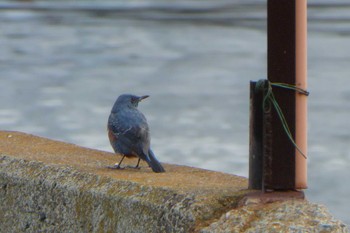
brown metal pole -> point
(281, 69)
(275, 163)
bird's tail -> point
(154, 163)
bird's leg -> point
(117, 165)
(137, 165)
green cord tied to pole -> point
(269, 99)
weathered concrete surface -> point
(287, 216)
(46, 186)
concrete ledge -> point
(47, 185)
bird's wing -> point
(132, 136)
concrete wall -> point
(50, 186)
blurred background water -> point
(62, 65)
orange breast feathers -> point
(113, 139)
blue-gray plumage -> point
(128, 131)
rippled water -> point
(61, 71)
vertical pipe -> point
(281, 69)
(255, 138)
(301, 100)
(283, 166)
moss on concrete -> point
(46, 186)
(276, 217)
(52, 184)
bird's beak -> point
(143, 97)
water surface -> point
(62, 69)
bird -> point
(128, 132)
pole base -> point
(260, 197)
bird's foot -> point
(133, 167)
(115, 166)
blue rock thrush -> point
(128, 132)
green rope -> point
(291, 87)
(269, 99)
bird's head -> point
(128, 100)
